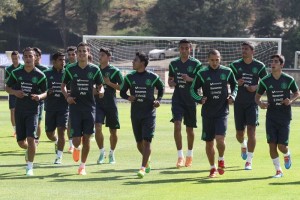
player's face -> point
(275, 65)
(247, 52)
(72, 56)
(60, 62)
(136, 63)
(37, 59)
(185, 49)
(15, 59)
(29, 58)
(82, 53)
(214, 61)
(103, 58)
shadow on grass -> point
(287, 183)
(13, 176)
(206, 180)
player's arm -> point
(98, 79)
(159, 85)
(197, 83)
(171, 76)
(42, 85)
(295, 90)
(260, 91)
(187, 78)
(12, 80)
(119, 79)
(124, 88)
(233, 87)
(65, 80)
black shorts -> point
(12, 101)
(26, 125)
(108, 116)
(213, 126)
(245, 114)
(82, 122)
(188, 113)
(41, 108)
(278, 131)
(143, 129)
(55, 119)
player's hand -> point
(186, 78)
(230, 100)
(251, 88)
(156, 104)
(203, 100)
(71, 100)
(101, 94)
(35, 97)
(171, 82)
(240, 82)
(286, 102)
(50, 92)
(106, 80)
(19, 94)
(131, 98)
(263, 105)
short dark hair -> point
(107, 51)
(28, 49)
(280, 58)
(71, 48)
(214, 52)
(14, 53)
(143, 57)
(185, 41)
(83, 44)
(57, 54)
(37, 51)
(249, 44)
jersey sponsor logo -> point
(34, 79)
(90, 75)
(254, 70)
(223, 77)
(148, 82)
(190, 69)
(283, 86)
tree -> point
(216, 18)
(9, 8)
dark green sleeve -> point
(171, 70)
(159, 85)
(293, 86)
(98, 78)
(261, 88)
(124, 87)
(11, 80)
(67, 77)
(197, 83)
(263, 72)
(42, 83)
(233, 84)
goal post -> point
(162, 50)
(297, 60)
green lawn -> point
(119, 181)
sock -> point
(213, 166)
(190, 153)
(220, 158)
(56, 141)
(287, 153)
(244, 144)
(249, 157)
(111, 152)
(59, 154)
(14, 127)
(29, 165)
(102, 150)
(78, 148)
(276, 164)
(82, 165)
(180, 154)
(143, 168)
(70, 143)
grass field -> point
(119, 181)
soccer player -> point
(30, 87)
(106, 107)
(141, 83)
(37, 62)
(82, 77)
(215, 100)
(247, 71)
(56, 106)
(181, 74)
(12, 98)
(72, 58)
(278, 86)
